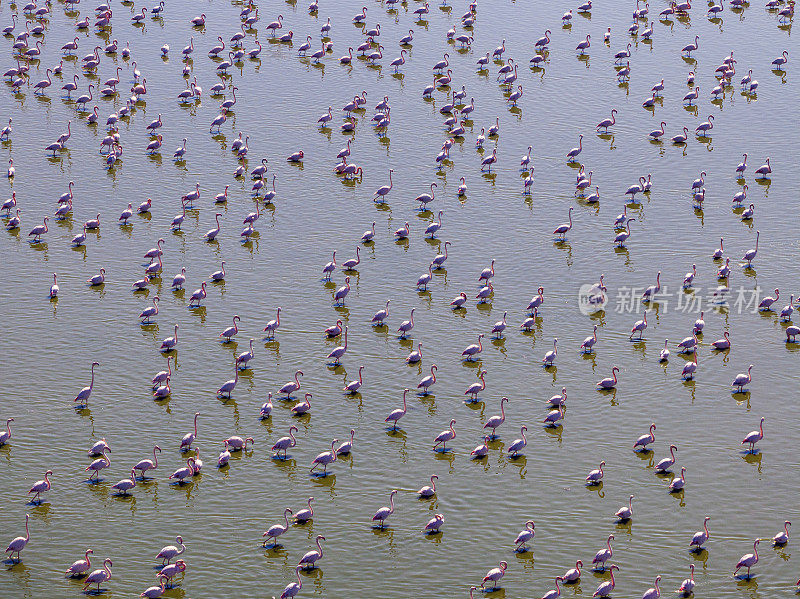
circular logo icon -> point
(591, 299)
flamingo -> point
(562, 230)
(606, 123)
(476, 388)
(383, 513)
(550, 357)
(328, 269)
(742, 379)
(595, 476)
(39, 487)
(655, 592)
(309, 560)
(273, 325)
(748, 560)
(687, 586)
(445, 436)
(396, 415)
(276, 530)
(211, 234)
(97, 465)
(609, 383)
(667, 463)
(644, 440)
(754, 437)
(678, 483)
(699, 538)
(766, 304)
(494, 575)
(284, 443)
(99, 576)
(473, 350)
(342, 292)
(339, 351)
(291, 386)
(147, 464)
(293, 588)
(325, 458)
(573, 153)
(125, 485)
(556, 592)
(428, 491)
(426, 383)
(347, 446)
(196, 297)
(380, 316)
(525, 537)
(432, 228)
(188, 438)
(303, 407)
(83, 395)
(625, 513)
(587, 347)
(306, 514)
(602, 556)
(481, 451)
(639, 326)
(623, 235)
(573, 575)
(780, 539)
(156, 590)
(80, 567)
(19, 543)
(750, 255)
(518, 444)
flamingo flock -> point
(56, 33)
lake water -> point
(48, 346)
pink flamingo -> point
(742, 379)
(99, 576)
(427, 382)
(625, 513)
(325, 458)
(476, 388)
(291, 386)
(284, 443)
(645, 440)
(473, 350)
(640, 325)
(383, 513)
(754, 437)
(602, 556)
(525, 537)
(687, 586)
(518, 444)
(188, 438)
(147, 464)
(293, 588)
(782, 537)
(80, 567)
(83, 395)
(273, 325)
(748, 560)
(699, 538)
(396, 415)
(496, 421)
(39, 487)
(494, 575)
(353, 386)
(339, 351)
(655, 592)
(573, 575)
(445, 436)
(18, 544)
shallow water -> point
(49, 345)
